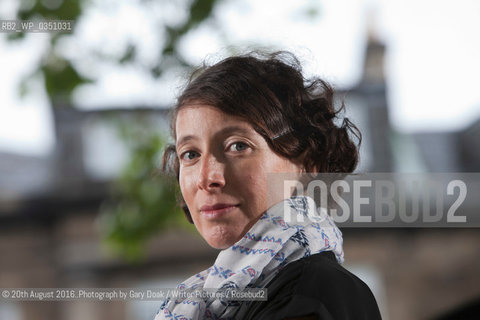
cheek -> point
(186, 182)
(249, 178)
(255, 189)
(257, 184)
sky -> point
(432, 66)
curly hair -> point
(296, 116)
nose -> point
(212, 174)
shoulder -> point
(316, 285)
(321, 276)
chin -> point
(220, 243)
(219, 238)
(219, 246)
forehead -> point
(205, 119)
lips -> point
(217, 210)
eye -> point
(189, 155)
(238, 146)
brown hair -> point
(295, 116)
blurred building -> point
(49, 208)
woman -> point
(235, 122)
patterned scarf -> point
(255, 259)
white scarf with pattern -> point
(255, 259)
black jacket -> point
(319, 287)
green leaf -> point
(61, 79)
(143, 203)
(129, 55)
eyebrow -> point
(231, 130)
(223, 132)
(185, 139)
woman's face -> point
(223, 172)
